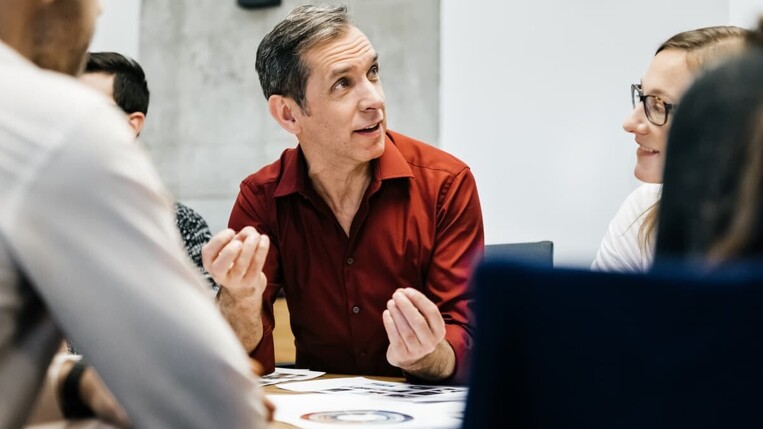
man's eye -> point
(374, 71)
(341, 84)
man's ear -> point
(282, 109)
(136, 121)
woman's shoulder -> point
(644, 196)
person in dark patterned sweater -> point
(195, 232)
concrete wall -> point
(117, 27)
(208, 125)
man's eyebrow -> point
(343, 70)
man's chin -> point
(72, 64)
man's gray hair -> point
(280, 64)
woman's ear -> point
(282, 110)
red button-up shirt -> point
(419, 225)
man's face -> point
(344, 119)
(62, 33)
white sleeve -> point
(620, 249)
(95, 235)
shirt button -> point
(363, 353)
(356, 309)
(350, 261)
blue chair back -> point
(539, 253)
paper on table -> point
(320, 411)
(388, 390)
(281, 375)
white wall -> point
(118, 28)
(533, 97)
(745, 13)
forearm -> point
(436, 366)
(244, 314)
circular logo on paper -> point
(353, 417)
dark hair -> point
(713, 191)
(755, 38)
(130, 86)
(704, 47)
(280, 63)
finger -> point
(260, 255)
(395, 341)
(222, 263)
(244, 258)
(407, 334)
(413, 316)
(213, 247)
(428, 309)
(256, 367)
(247, 231)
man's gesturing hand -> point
(416, 334)
(235, 261)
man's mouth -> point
(370, 128)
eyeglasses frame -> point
(669, 107)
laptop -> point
(571, 348)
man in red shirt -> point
(370, 234)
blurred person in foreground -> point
(85, 223)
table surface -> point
(274, 389)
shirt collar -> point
(8, 55)
(293, 174)
(294, 179)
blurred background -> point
(530, 94)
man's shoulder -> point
(47, 93)
(43, 113)
(42, 106)
(267, 177)
(420, 155)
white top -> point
(88, 246)
(620, 249)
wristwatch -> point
(72, 405)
